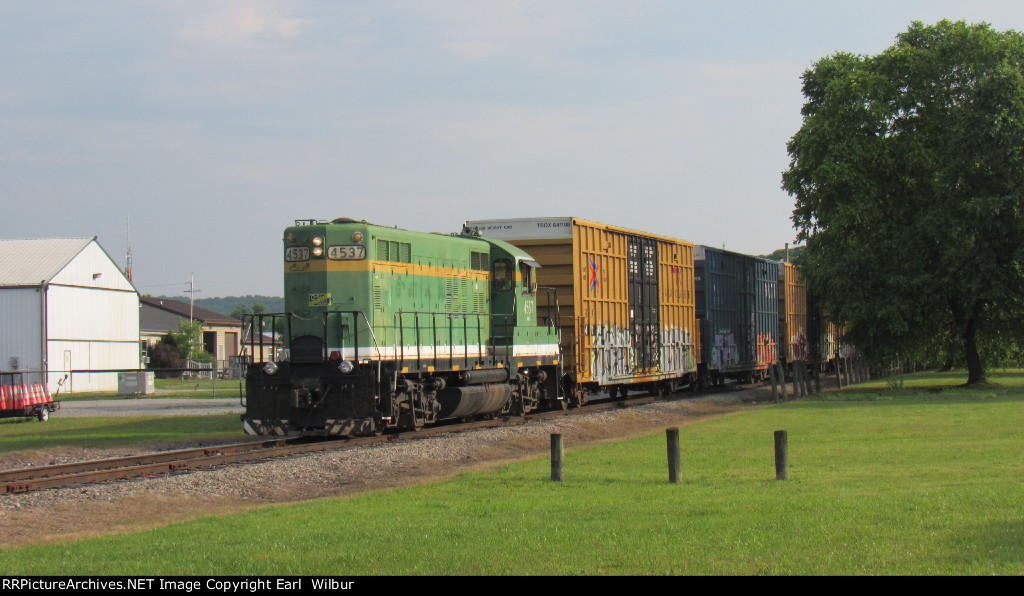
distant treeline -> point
(780, 255)
(226, 305)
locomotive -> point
(394, 329)
(389, 328)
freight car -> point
(826, 345)
(626, 301)
(807, 335)
(389, 328)
(738, 310)
(793, 320)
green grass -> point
(195, 388)
(1000, 382)
(101, 433)
(920, 483)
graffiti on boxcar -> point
(677, 352)
(798, 345)
(723, 353)
(614, 355)
(767, 352)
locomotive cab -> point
(387, 328)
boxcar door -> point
(644, 304)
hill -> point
(225, 305)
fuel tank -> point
(473, 400)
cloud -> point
(240, 21)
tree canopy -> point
(909, 186)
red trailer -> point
(24, 400)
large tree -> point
(908, 175)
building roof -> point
(36, 262)
(161, 314)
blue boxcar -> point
(738, 313)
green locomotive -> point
(388, 328)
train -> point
(391, 329)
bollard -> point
(781, 455)
(557, 457)
(674, 463)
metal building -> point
(66, 312)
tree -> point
(909, 187)
(242, 310)
(189, 339)
(165, 354)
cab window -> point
(502, 271)
(526, 273)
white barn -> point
(66, 311)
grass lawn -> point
(29, 435)
(882, 481)
(196, 388)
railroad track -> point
(44, 477)
(178, 461)
(121, 468)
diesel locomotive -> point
(389, 328)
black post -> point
(674, 462)
(557, 457)
(781, 455)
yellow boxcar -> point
(792, 313)
(626, 301)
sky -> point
(196, 131)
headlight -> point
(270, 368)
(318, 251)
(345, 367)
(317, 241)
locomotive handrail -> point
(401, 324)
(249, 321)
(501, 326)
(552, 302)
(355, 333)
